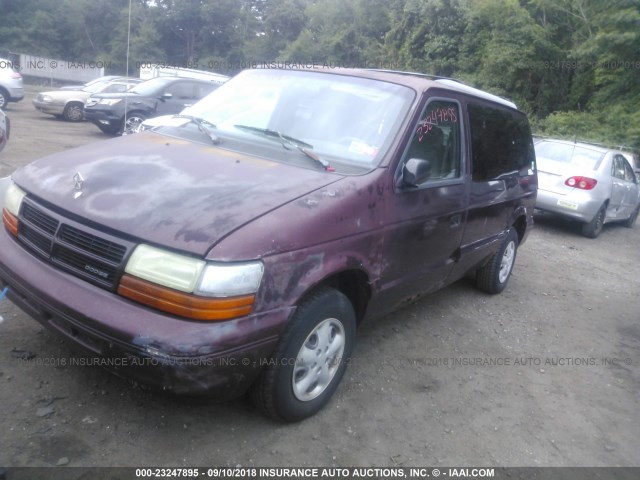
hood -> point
(66, 95)
(167, 191)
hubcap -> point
(132, 124)
(318, 359)
(507, 261)
(75, 114)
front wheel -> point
(108, 129)
(73, 112)
(493, 277)
(310, 359)
(132, 123)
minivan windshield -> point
(342, 119)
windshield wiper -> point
(287, 140)
(200, 124)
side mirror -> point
(416, 171)
(166, 96)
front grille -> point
(38, 219)
(92, 244)
(78, 249)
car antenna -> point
(126, 99)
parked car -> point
(69, 104)
(589, 183)
(239, 247)
(122, 112)
(5, 130)
(11, 89)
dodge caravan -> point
(237, 246)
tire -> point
(73, 112)
(4, 98)
(132, 121)
(108, 129)
(493, 277)
(631, 221)
(310, 358)
(594, 227)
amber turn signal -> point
(10, 222)
(184, 304)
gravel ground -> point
(545, 374)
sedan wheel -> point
(631, 221)
(594, 227)
(73, 112)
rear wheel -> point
(493, 277)
(310, 359)
(73, 112)
(594, 227)
(631, 221)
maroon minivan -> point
(238, 245)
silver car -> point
(11, 88)
(589, 183)
(69, 104)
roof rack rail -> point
(416, 74)
(457, 84)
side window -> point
(437, 140)
(116, 88)
(618, 167)
(501, 143)
(629, 176)
(181, 90)
(204, 90)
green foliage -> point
(573, 65)
(619, 126)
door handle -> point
(455, 221)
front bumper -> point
(102, 117)
(579, 205)
(16, 94)
(160, 351)
(50, 108)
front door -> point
(428, 218)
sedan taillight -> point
(583, 183)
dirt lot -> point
(546, 374)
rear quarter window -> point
(501, 142)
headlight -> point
(109, 101)
(12, 201)
(47, 98)
(190, 287)
(165, 268)
(230, 280)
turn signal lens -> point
(583, 183)
(184, 304)
(10, 222)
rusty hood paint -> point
(167, 191)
